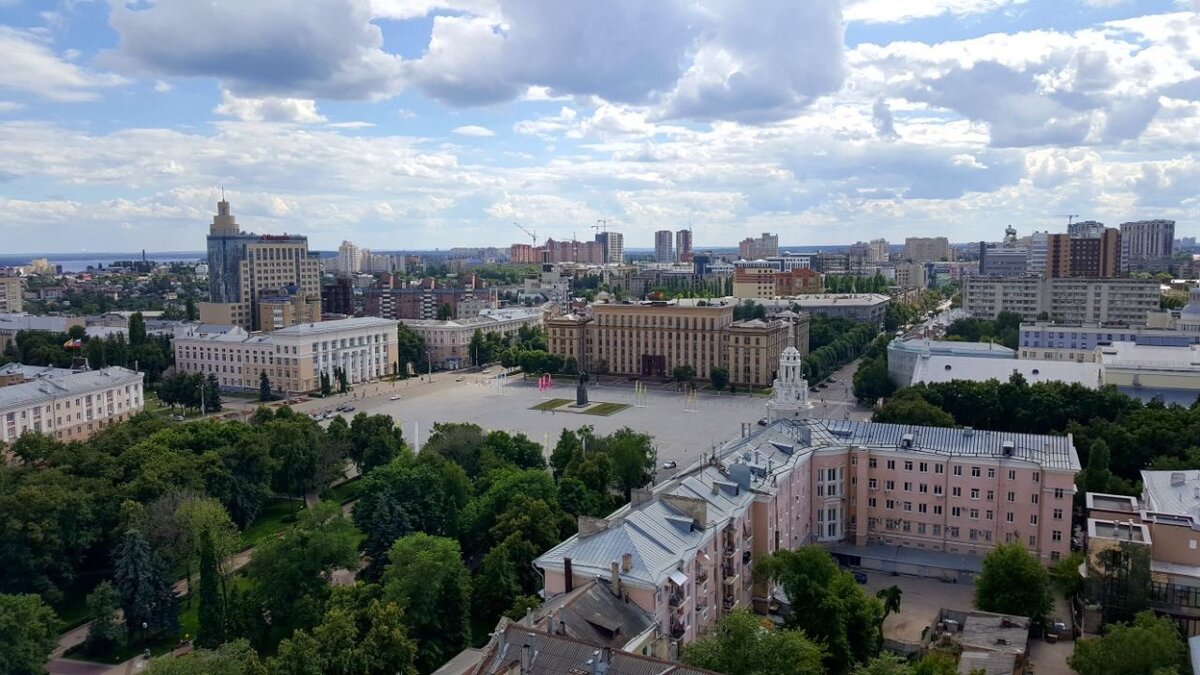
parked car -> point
(670, 465)
(860, 576)
(395, 398)
(762, 422)
(349, 408)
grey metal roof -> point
(49, 389)
(34, 372)
(1051, 452)
(776, 443)
(576, 613)
(656, 535)
(322, 327)
(1162, 496)
(551, 654)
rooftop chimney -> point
(627, 562)
(527, 659)
(568, 575)
(600, 661)
(615, 577)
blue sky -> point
(438, 123)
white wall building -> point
(294, 357)
(65, 404)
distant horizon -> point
(7, 259)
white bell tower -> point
(790, 390)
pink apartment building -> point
(685, 551)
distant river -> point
(78, 262)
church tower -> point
(790, 398)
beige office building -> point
(294, 357)
(67, 405)
(449, 341)
(244, 268)
(10, 295)
(651, 339)
(923, 249)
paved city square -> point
(682, 429)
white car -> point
(395, 398)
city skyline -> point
(387, 132)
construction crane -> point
(1069, 216)
(532, 235)
(602, 224)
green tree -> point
(871, 380)
(290, 574)
(1096, 477)
(212, 394)
(460, 443)
(359, 634)
(905, 408)
(739, 645)
(684, 373)
(231, 658)
(28, 633)
(890, 599)
(826, 604)
(211, 632)
(445, 312)
(633, 459)
(719, 377)
(1065, 576)
(1013, 581)
(407, 496)
(144, 582)
(375, 440)
(264, 387)
(104, 634)
(190, 311)
(137, 330)
(426, 576)
(887, 663)
(1149, 645)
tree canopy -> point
(28, 633)
(739, 644)
(1149, 645)
(826, 603)
(1013, 581)
(426, 576)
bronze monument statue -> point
(581, 396)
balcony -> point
(677, 630)
(676, 599)
(702, 577)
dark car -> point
(762, 422)
(860, 576)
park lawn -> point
(72, 611)
(551, 404)
(606, 409)
(345, 492)
(276, 516)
